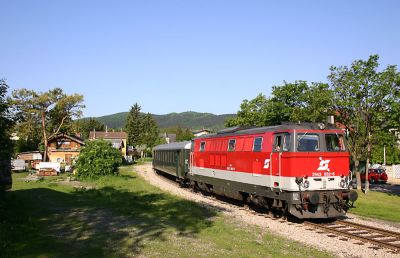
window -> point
(202, 146)
(334, 142)
(307, 142)
(282, 142)
(231, 145)
(257, 144)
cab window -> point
(307, 142)
(334, 142)
(282, 142)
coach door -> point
(276, 155)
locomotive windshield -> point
(307, 142)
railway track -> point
(378, 237)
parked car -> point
(375, 175)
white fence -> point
(393, 171)
(396, 171)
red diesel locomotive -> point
(302, 169)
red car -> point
(375, 176)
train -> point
(301, 169)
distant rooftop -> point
(107, 135)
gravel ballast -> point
(300, 233)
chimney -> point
(106, 129)
(94, 133)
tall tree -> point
(364, 100)
(5, 125)
(54, 108)
(134, 125)
(150, 132)
(290, 102)
(252, 112)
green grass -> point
(124, 216)
(143, 160)
(378, 205)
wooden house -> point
(64, 148)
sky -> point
(193, 55)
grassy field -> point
(124, 217)
(378, 205)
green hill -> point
(189, 119)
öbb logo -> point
(323, 164)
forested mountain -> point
(193, 120)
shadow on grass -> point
(93, 223)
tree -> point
(183, 134)
(85, 126)
(252, 112)
(5, 142)
(364, 101)
(290, 102)
(54, 108)
(150, 132)
(98, 158)
(385, 140)
(134, 126)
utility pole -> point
(384, 155)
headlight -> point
(306, 184)
(342, 184)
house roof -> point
(107, 135)
(171, 136)
(72, 138)
(202, 130)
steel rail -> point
(359, 236)
(385, 232)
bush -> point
(98, 158)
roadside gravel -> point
(300, 233)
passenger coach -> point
(172, 159)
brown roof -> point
(107, 135)
(63, 135)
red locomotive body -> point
(300, 168)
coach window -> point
(307, 142)
(231, 145)
(202, 146)
(257, 144)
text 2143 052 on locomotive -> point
(302, 169)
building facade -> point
(64, 148)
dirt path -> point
(300, 233)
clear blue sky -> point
(174, 56)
